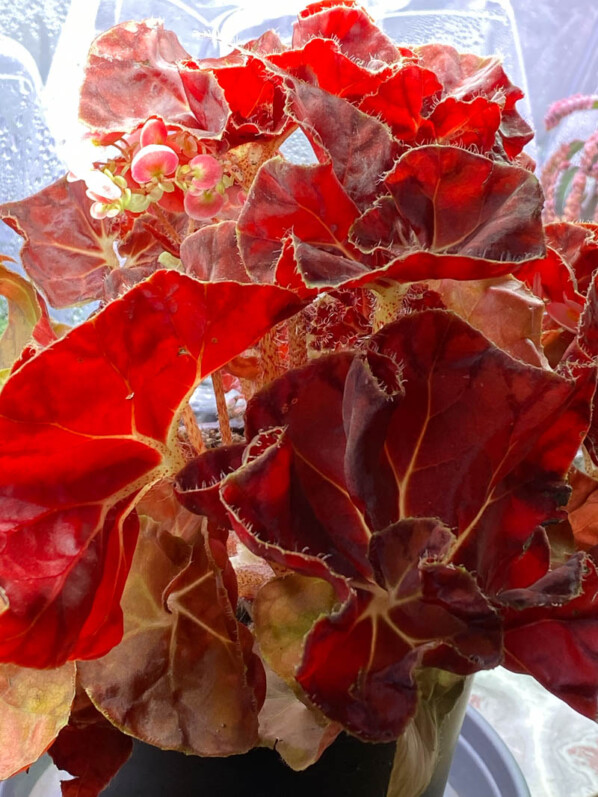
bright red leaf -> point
(466, 76)
(349, 25)
(85, 425)
(402, 98)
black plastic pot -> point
(349, 768)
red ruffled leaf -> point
(321, 63)
(197, 486)
(350, 26)
(577, 244)
(90, 749)
(454, 201)
(557, 640)
(466, 76)
(66, 252)
(465, 124)
(255, 97)
(360, 148)
(212, 254)
(137, 70)
(285, 197)
(72, 463)
(509, 432)
(359, 663)
(402, 99)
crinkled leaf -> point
(90, 749)
(453, 201)
(466, 76)
(184, 676)
(497, 434)
(349, 25)
(359, 663)
(577, 244)
(470, 124)
(553, 281)
(197, 485)
(582, 509)
(136, 70)
(255, 97)
(293, 497)
(71, 464)
(401, 100)
(66, 252)
(360, 148)
(35, 705)
(285, 197)
(322, 63)
(556, 640)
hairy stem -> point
(225, 430)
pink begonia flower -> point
(153, 161)
(101, 188)
(203, 206)
(206, 172)
(153, 132)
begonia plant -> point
(418, 358)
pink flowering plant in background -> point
(415, 353)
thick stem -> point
(168, 228)
(388, 304)
(194, 434)
(225, 430)
(297, 341)
(270, 360)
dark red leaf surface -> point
(360, 148)
(84, 425)
(66, 253)
(308, 517)
(577, 244)
(557, 640)
(136, 70)
(359, 663)
(454, 201)
(433, 421)
(90, 749)
(498, 435)
(197, 486)
(348, 24)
